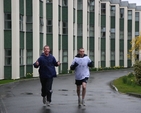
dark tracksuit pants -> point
(46, 89)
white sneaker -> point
(79, 102)
(44, 100)
(47, 103)
(83, 102)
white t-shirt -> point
(82, 70)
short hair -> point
(80, 48)
(45, 46)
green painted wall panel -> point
(41, 9)
(29, 40)
(112, 44)
(121, 24)
(22, 7)
(7, 39)
(22, 72)
(22, 40)
(112, 63)
(112, 22)
(65, 42)
(103, 64)
(73, 15)
(7, 6)
(7, 72)
(129, 25)
(41, 41)
(92, 18)
(129, 44)
(28, 7)
(121, 63)
(79, 42)
(91, 43)
(121, 45)
(65, 14)
(137, 26)
(79, 16)
(49, 11)
(103, 20)
(59, 12)
(73, 42)
(129, 63)
(64, 67)
(29, 69)
(59, 43)
(103, 44)
(49, 40)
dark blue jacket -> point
(46, 66)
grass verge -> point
(6, 81)
(127, 84)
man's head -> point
(46, 50)
(81, 52)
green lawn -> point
(127, 86)
(6, 81)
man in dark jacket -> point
(46, 63)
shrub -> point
(137, 71)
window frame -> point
(8, 58)
(7, 21)
(29, 57)
(49, 26)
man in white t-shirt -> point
(80, 65)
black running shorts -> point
(79, 82)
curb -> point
(129, 93)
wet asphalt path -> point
(24, 96)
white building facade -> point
(104, 28)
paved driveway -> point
(24, 96)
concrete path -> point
(24, 96)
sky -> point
(138, 2)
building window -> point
(74, 29)
(59, 27)
(49, 1)
(112, 10)
(102, 55)
(8, 24)
(113, 33)
(29, 59)
(91, 54)
(65, 28)
(136, 16)
(121, 34)
(103, 32)
(41, 25)
(121, 12)
(91, 31)
(21, 22)
(129, 14)
(49, 26)
(92, 5)
(79, 29)
(103, 9)
(21, 57)
(129, 35)
(8, 57)
(112, 55)
(65, 56)
(136, 34)
(29, 23)
(79, 4)
(74, 4)
(121, 55)
(64, 2)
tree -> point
(134, 54)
